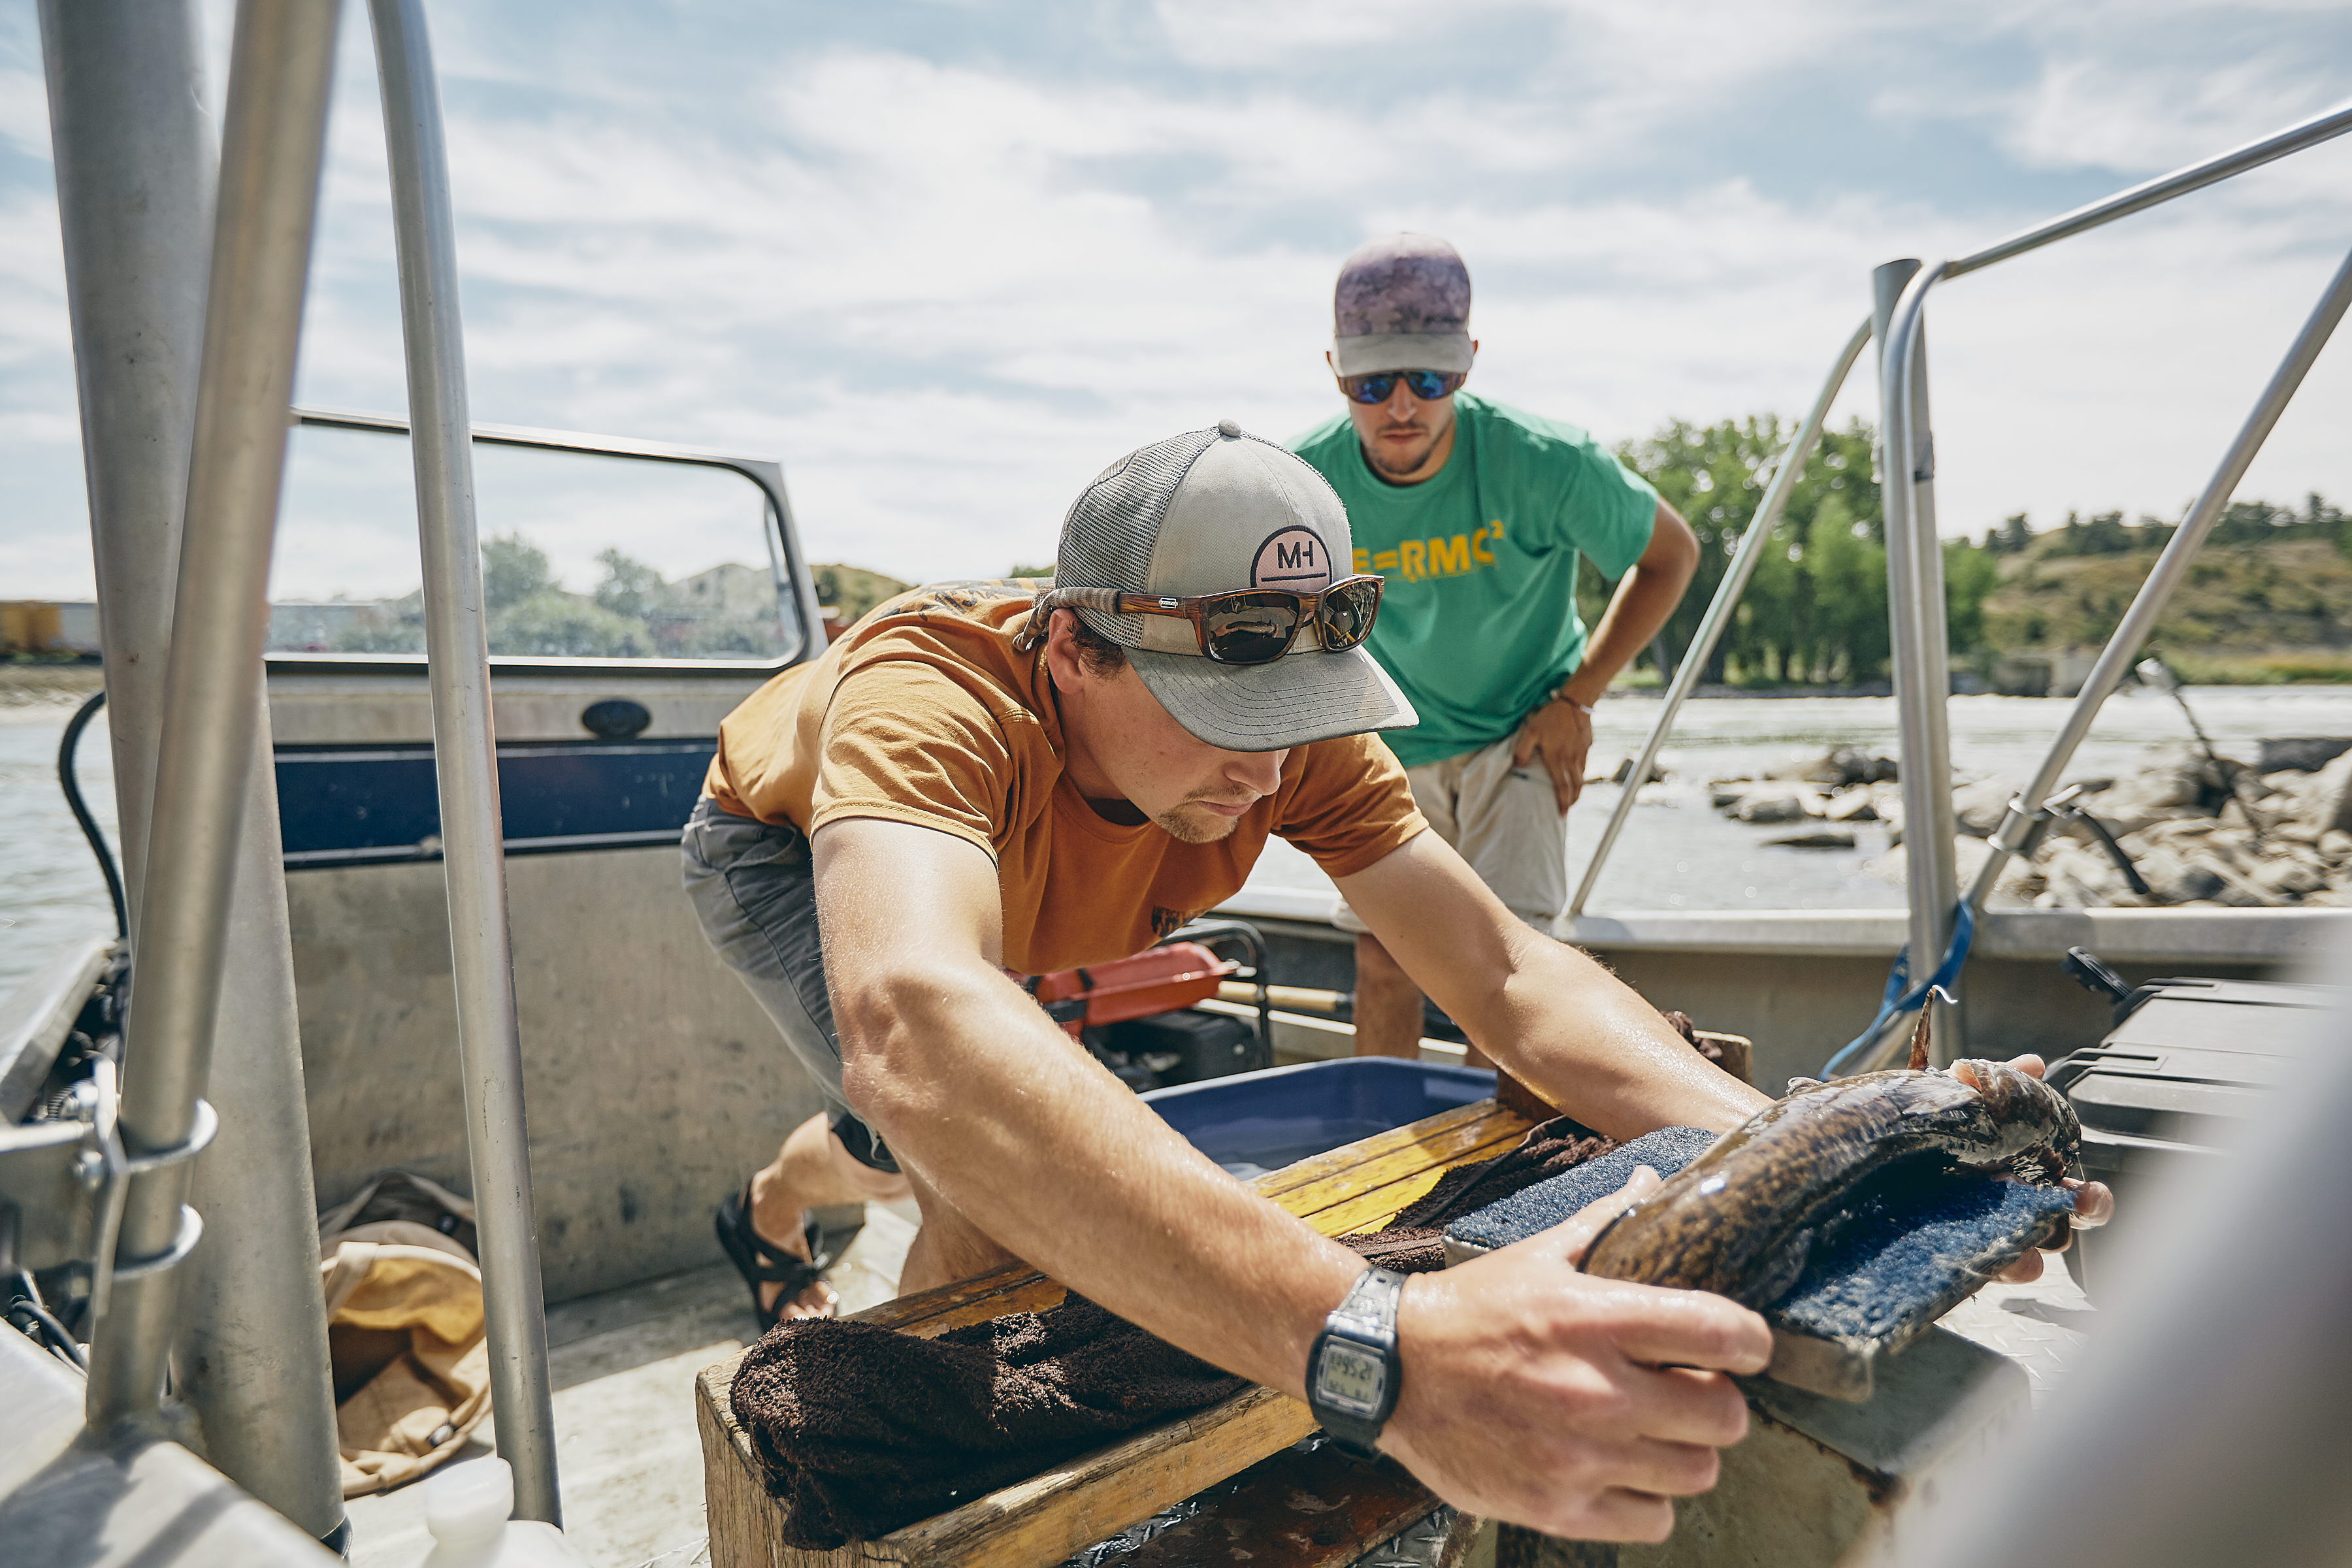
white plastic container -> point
(466, 1508)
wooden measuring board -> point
(1046, 1518)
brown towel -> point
(860, 1429)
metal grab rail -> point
(1712, 625)
(2166, 575)
(465, 755)
(2163, 188)
(272, 149)
(1921, 643)
(1931, 914)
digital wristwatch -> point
(1353, 1371)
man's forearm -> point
(1643, 604)
(1622, 1070)
(1059, 1163)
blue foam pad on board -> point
(1916, 1242)
(1911, 1241)
(1549, 1201)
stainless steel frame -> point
(464, 754)
(136, 159)
(1914, 598)
(1915, 561)
(282, 65)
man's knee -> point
(956, 1243)
(1373, 961)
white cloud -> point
(943, 285)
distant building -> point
(730, 593)
(48, 626)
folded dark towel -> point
(861, 1429)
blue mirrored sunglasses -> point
(1429, 385)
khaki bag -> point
(404, 1332)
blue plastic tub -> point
(1254, 1122)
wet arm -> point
(1027, 1136)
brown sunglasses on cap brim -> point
(1242, 627)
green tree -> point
(552, 624)
(1848, 568)
(1970, 574)
(1715, 476)
(630, 587)
(513, 569)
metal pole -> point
(136, 163)
(281, 67)
(2171, 568)
(135, 166)
(1914, 586)
(466, 756)
(2163, 188)
(1718, 611)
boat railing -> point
(272, 152)
(1914, 562)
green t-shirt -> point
(1478, 620)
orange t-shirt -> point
(924, 714)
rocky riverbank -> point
(2185, 828)
(46, 683)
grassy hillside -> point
(854, 589)
(2273, 610)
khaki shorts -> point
(1501, 819)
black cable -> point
(24, 1302)
(89, 829)
(2107, 838)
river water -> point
(1676, 852)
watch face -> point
(1352, 1377)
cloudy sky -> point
(944, 260)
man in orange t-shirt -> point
(973, 781)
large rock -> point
(2079, 879)
(1844, 766)
(1853, 806)
(2174, 879)
(2326, 803)
(1773, 806)
(1978, 808)
(2288, 876)
(2305, 753)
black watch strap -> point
(1353, 1371)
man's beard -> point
(1385, 462)
(1196, 827)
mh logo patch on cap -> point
(1293, 558)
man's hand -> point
(2095, 1205)
(1576, 1405)
(1561, 733)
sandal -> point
(757, 1260)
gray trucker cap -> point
(1402, 303)
(1207, 513)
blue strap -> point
(1896, 999)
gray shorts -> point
(753, 885)
(1505, 821)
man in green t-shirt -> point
(1476, 514)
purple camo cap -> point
(1402, 303)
